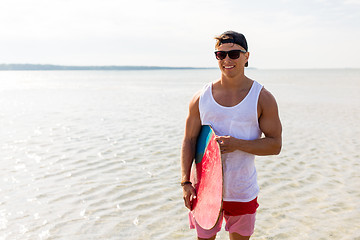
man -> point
(239, 110)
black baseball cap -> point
(236, 38)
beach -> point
(96, 154)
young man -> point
(239, 110)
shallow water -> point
(95, 154)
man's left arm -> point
(270, 125)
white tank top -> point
(239, 121)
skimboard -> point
(207, 178)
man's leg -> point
(212, 238)
(204, 234)
(240, 227)
(236, 236)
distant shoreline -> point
(51, 67)
(30, 67)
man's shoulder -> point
(194, 103)
(267, 99)
(266, 94)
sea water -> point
(96, 154)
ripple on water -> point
(91, 164)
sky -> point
(281, 34)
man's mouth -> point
(229, 67)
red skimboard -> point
(207, 178)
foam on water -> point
(95, 155)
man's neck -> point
(239, 81)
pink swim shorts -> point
(242, 224)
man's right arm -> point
(192, 129)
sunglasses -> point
(233, 54)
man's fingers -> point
(224, 143)
(221, 139)
(193, 193)
(189, 197)
(187, 201)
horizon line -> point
(38, 67)
(30, 66)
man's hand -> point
(189, 195)
(227, 143)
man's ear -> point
(247, 55)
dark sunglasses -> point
(233, 54)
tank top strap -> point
(255, 91)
